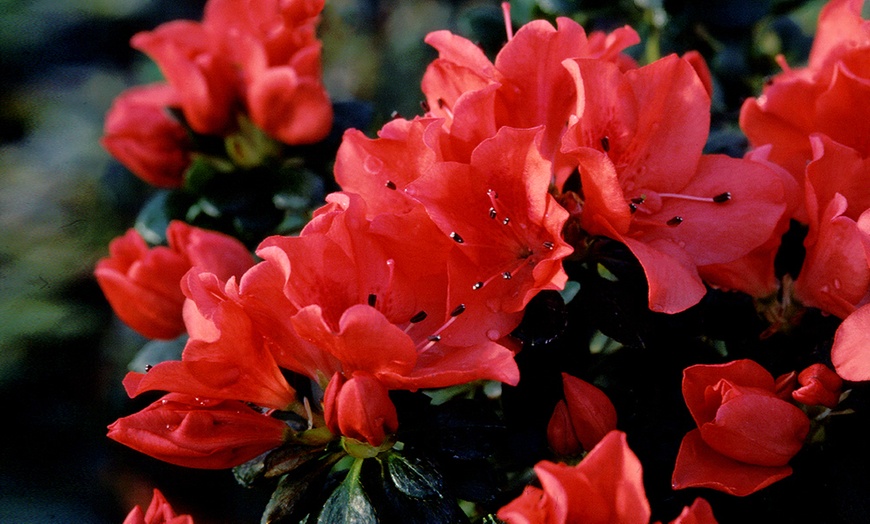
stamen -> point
(425, 105)
(605, 143)
(506, 275)
(549, 245)
(442, 105)
(458, 310)
(638, 200)
(308, 412)
(148, 367)
(394, 115)
(506, 221)
(676, 221)
(455, 236)
(373, 299)
(632, 207)
(492, 212)
(419, 317)
(433, 338)
(390, 185)
(477, 285)
(508, 26)
(718, 199)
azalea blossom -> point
(498, 211)
(606, 486)
(141, 134)
(819, 98)
(835, 276)
(637, 143)
(143, 284)
(263, 56)
(746, 434)
(526, 87)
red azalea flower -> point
(372, 296)
(263, 55)
(274, 45)
(581, 420)
(159, 512)
(224, 357)
(850, 353)
(746, 434)
(498, 210)
(140, 134)
(638, 143)
(199, 432)
(380, 169)
(754, 273)
(606, 486)
(204, 80)
(822, 97)
(835, 275)
(143, 284)
(526, 87)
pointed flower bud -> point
(560, 432)
(582, 420)
(359, 408)
(199, 433)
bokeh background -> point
(63, 354)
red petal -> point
(699, 466)
(850, 353)
(757, 429)
(699, 378)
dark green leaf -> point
(298, 491)
(157, 351)
(349, 504)
(154, 218)
(414, 476)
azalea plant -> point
(549, 297)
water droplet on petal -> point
(373, 165)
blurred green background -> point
(62, 353)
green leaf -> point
(349, 503)
(298, 492)
(415, 476)
(157, 351)
(154, 218)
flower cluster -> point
(405, 302)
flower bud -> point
(199, 433)
(591, 412)
(359, 408)
(819, 386)
(560, 432)
(140, 133)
